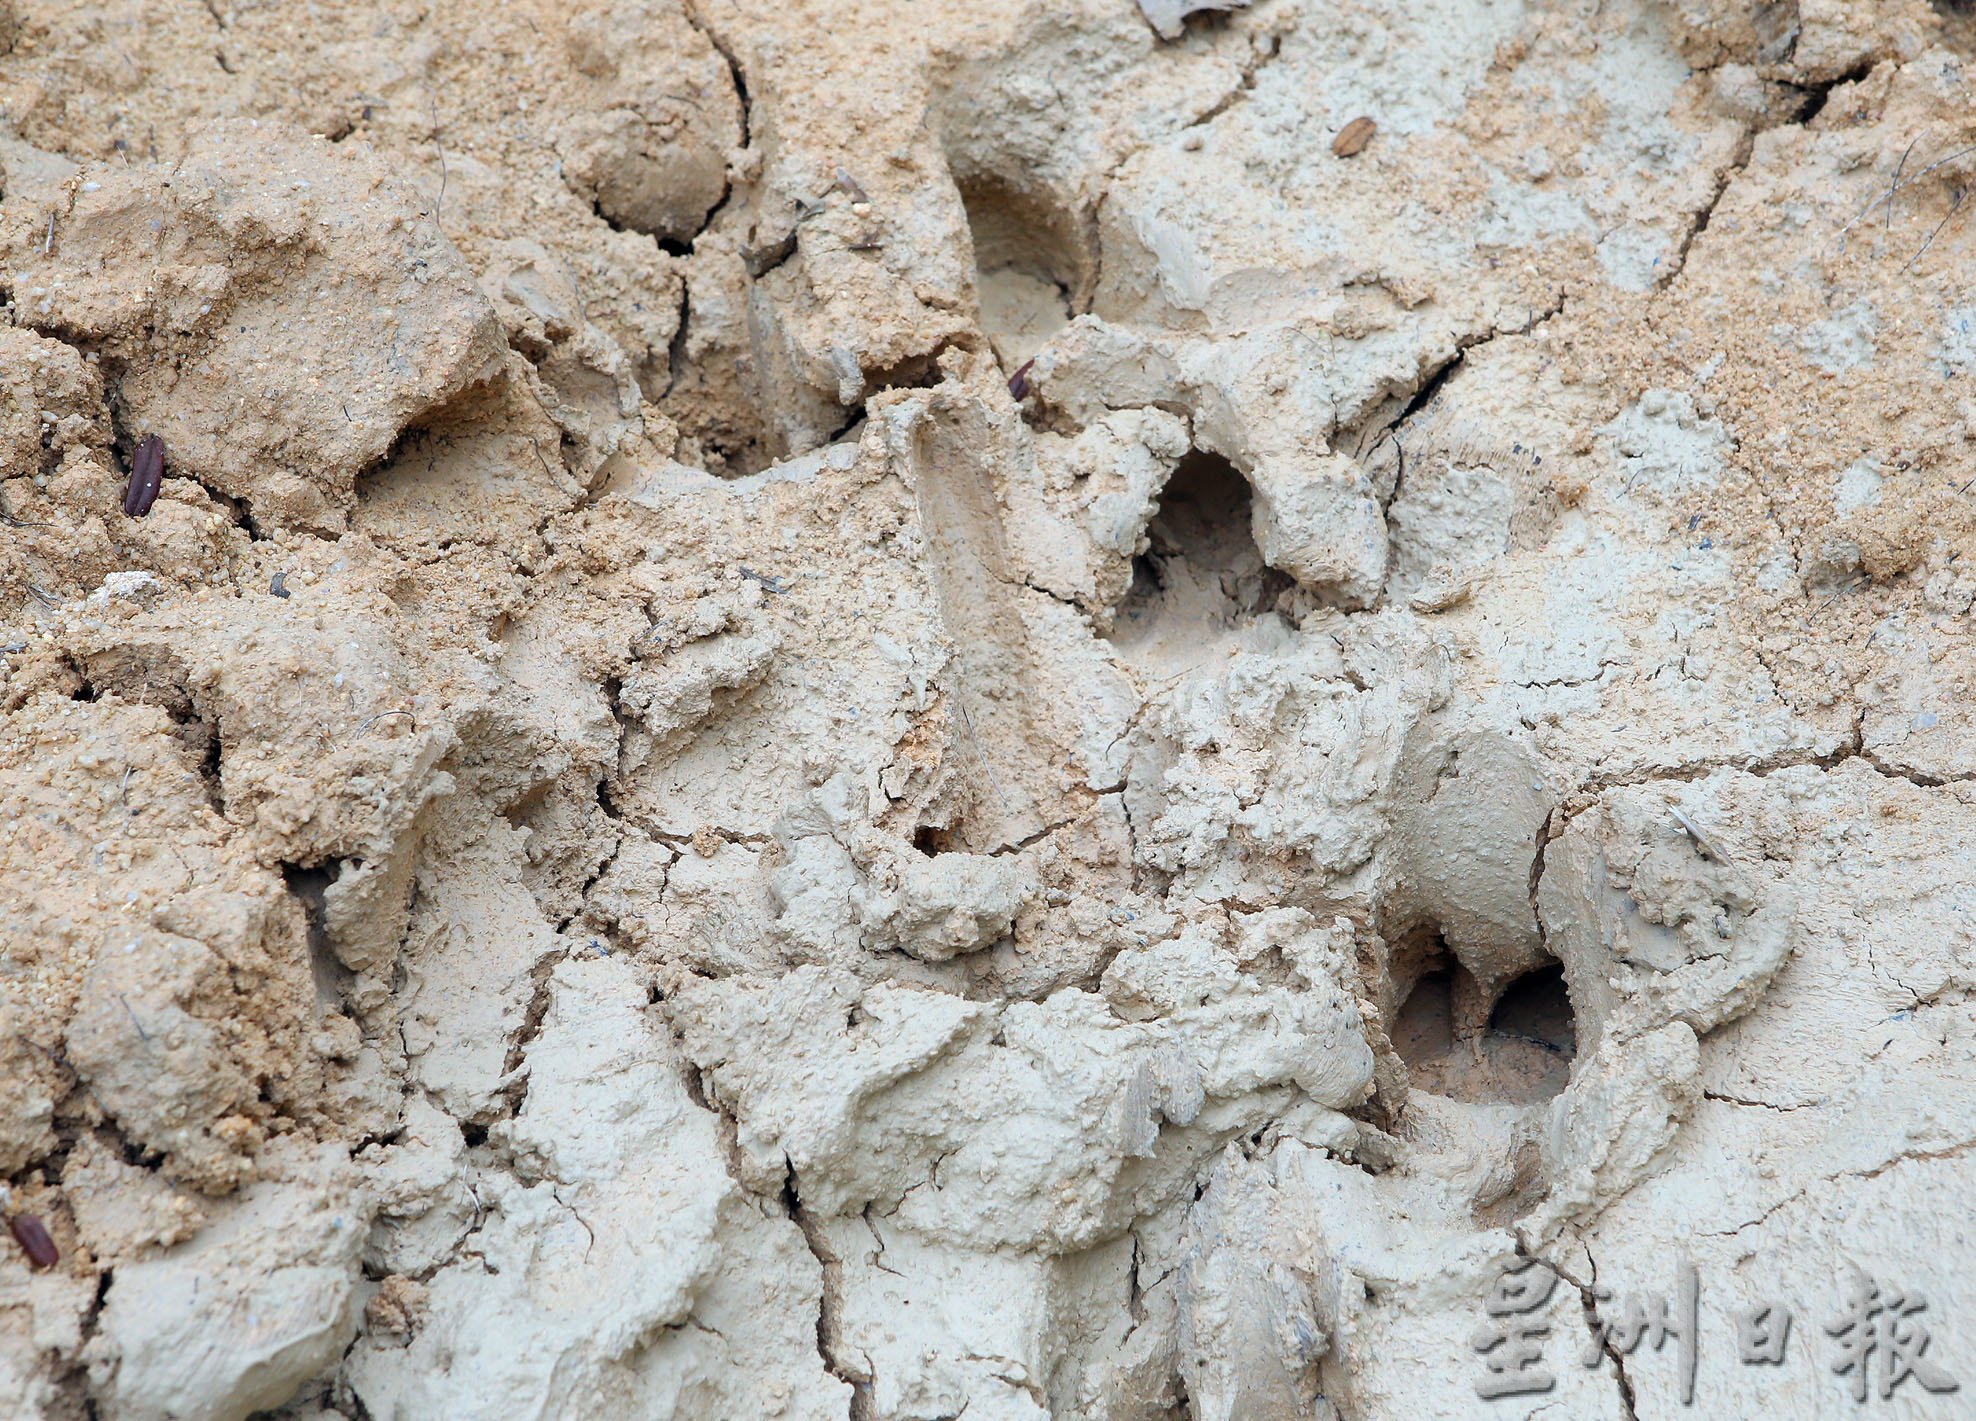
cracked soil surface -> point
(886, 711)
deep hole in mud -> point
(210, 764)
(930, 839)
(309, 882)
(1030, 267)
(1536, 1007)
(1201, 574)
(1521, 1056)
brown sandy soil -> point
(881, 711)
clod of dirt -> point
(873, 711)
(311, 310)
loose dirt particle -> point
(1353, 137)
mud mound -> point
(859, 711)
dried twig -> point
(1954, 207)
(369, 721)
(438, 205)
(1857, 582)
(7, 517)
(1888, 195)
(1895, 185)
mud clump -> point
(640, 827)
(246, 306)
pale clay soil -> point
(855, 709)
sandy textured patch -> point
(885, 711)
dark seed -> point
(280, 584)
(32, 1235)
(147, 476)
(1353, 137)
(1019, 382)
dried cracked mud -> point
(888, 711)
